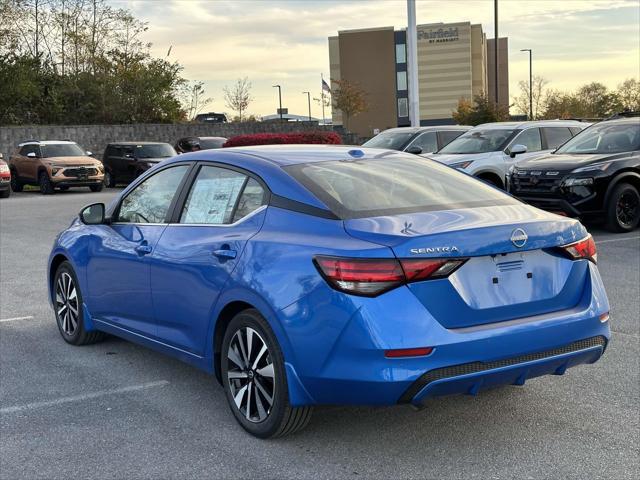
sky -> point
(285, 42)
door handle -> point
(225, 253)
(143, 249)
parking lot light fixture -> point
(530, 83)
(279, 99)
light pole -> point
(495, 49)
(279, 99)
(530, 82)
(309, 101)
(412, 64)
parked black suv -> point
(596, 174)
(124, 161)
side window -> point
(427, 141)
(149, 202)
(446, 137)
(529, 138)
(213, 196)
(556, 136)
(575, 130)
(24, 151)
(127, 152)
(251, 199)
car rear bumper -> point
(5, 183)
(470, 378)
(354, 369)
(77, 183)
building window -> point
(403, 107)
(402, 80)
(401, 53)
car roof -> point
(266, 161)
(623, 120)
(137, 143)
(285, 155)
(427, 128)
(47, 142)
(533, 123)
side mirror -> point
(517, 150)
(31, 155)
(1, 156)
(93, 214)
(414, 149)
(128, 155)
(89, 153)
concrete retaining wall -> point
(95, 137)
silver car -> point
(489, 150)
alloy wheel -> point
(250, 374)
(627, 208)
(67, 307)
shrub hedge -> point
(331, 138)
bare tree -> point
(521, 102)
(194, 99)
(239, 96)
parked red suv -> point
(5, 178)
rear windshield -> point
(390, 140)
(209, 143)
(393, 184)
(155, 151)
(479, 141)
(61, 150)
(604, 138)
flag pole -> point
(322, 96)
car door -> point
(427, 141)
(445, 137)
(195, 255)
(119, 290)
(28, 166)
(531, 139)
(553, 137)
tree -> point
(596, 101)
(629, 94)
(194, 99)
(521, 102)
(349, 98)
(82, 61)
(561, 105)
(239, 96)
(482, 110)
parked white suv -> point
(489, 150)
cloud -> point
(286, 41)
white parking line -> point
(14, 319)
(86, 396)
(617, 239)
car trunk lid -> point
(512, 268)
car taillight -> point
(373, 276)
(584, 249)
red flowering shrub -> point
(280, 138)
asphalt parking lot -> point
(117, 410)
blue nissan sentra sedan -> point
(306, 275)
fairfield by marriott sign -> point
(441, 35)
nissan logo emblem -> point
(519, 237)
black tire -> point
(46, 187)
(623, 208)
(96, 188)
(109, 180)
(5, 193)
(16, 185)
(491, 180)
(64, 305)
(281, 418)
